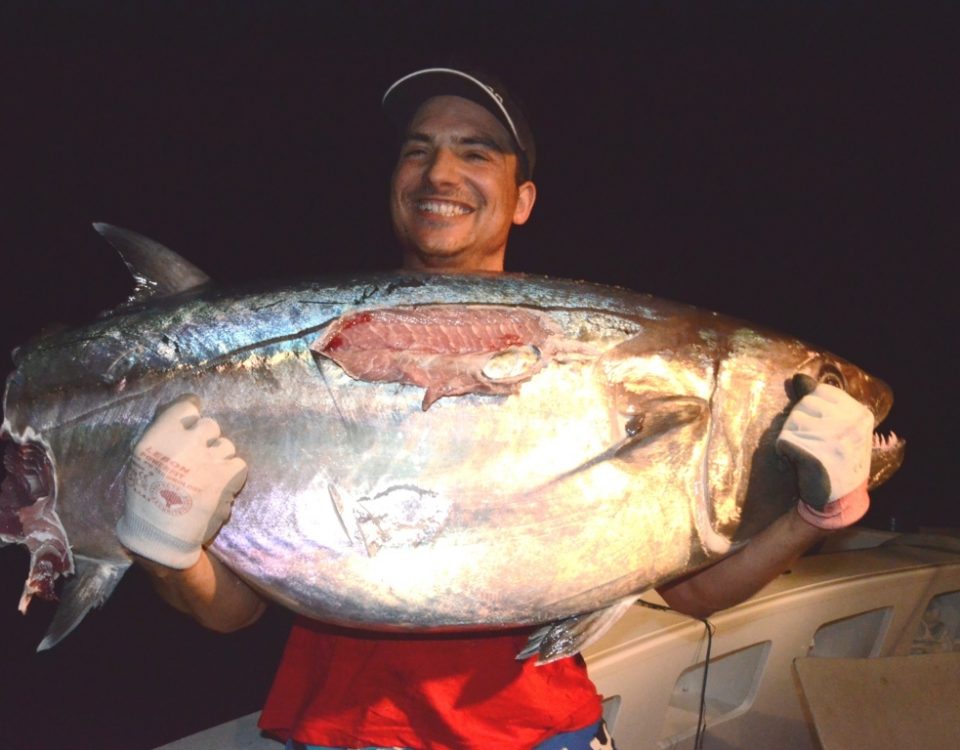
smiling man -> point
(457, 188)
(461, 182)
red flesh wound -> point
(442, 348)
(28, 516)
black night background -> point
(791, 164)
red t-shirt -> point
(352, 688)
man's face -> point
(454, 195)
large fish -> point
(425, 451)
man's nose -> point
(443, 167)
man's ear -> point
(526, 197)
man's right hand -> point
(180, 485)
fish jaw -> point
(886, 457)
(28, 514)
(888, 450)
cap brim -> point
(403, 98)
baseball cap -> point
(406, 94)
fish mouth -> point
(886, 456)
(28, 516)
(888, 450)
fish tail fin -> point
(93, 583)
(572, 635)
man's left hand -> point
(828, 436)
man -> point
(462, 180)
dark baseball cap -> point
(403, 98)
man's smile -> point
(442, 207)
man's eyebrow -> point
(480, 140)
(417, 137)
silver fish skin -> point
(536, 451)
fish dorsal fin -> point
(157, 270)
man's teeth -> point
(443, 208)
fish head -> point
(761, 376)
(717, 392)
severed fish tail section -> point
(28, 516)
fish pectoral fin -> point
(653, 417)
(157, 270)
(93, 583)
(570, 636)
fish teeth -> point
(885, 442)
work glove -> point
(838, 514)
(828, 436)
(179, 487)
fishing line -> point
(710, 630)
(702, 718)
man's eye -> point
(476, 156)
(412, 152)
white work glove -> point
(180, 486)
(828, 436)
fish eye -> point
(830, 375)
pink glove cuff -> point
(838, 514)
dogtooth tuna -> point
(425, 451)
